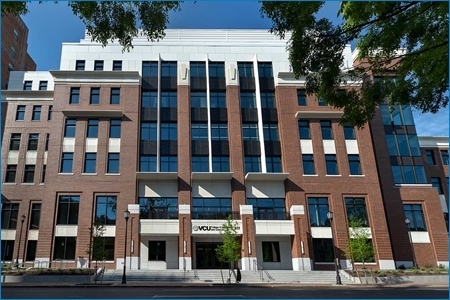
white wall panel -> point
(31, 157)
(171, 261)
(66, 230)
(13, 157)
(306, 146)
(352, 146)
(114, 145)
(211, 189)
(329, 147)
(158, 189)
(265, 189)
(91, 145)
(420, 237)
(69, 145)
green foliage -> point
(96, 247)
(316, 48)
(416, 271)
(394, 272)
(229, 251)
(359, 248)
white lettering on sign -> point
(209, 228)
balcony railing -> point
(271, 216)
(209, 215)
(152, 215)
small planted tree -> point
(96, 249)
(229, 251)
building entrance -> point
(206, 256)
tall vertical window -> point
(79, 65)
(318, 209)
(304, 131)
(74, 96)
(7, 248)
(113, 162)
(308, 164)
(270, 132)
(149, 99)
(43, 85)
(69, 128)
(50, 112)
(10, 67)
(148, 131)
(198, 69)
(105, 211)
(252, 164)
(409, 174)
(436, 183)
(430, 157)
(35, 216)
(31, 250)
(36, 116)
(33, 141)
(95, 96)
(92, 129)
(198, 99)
(356, 210)
(248, 99)
(273, 164)
(10, 176)
(66, 162)
(169, 163)
(150, 68)
(117, 65)
(169, 99)
(268, 100)
(157, 251)
(354, 164)
(327, 131)
(68, 207)
(301, 98)
(14, 143)
(114, 128)
(265, 69)
(147, 163)
(10, 213)
(27, 85)
(20, 115)
(65, 248)
(349, 132)
(400, 115)
(169, 131)
(250, 132)
(169, 68)
(219, 132)
(216, 69)
(115, 96)
(16, 35)
(44, 169)
(444, 155)
(323, 250)
(200, 164)
(331, 163)
(13, 52)
(98, 65)
(271, 251)
(217, 100)
(199, 131)
(28, 176)
(245, 69)
(47, 140)
(221, 164)
(90, 162)
(415, 215)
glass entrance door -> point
(206, 256)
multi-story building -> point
(189, 130)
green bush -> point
(401, 271)
(382, 274)
(429, 271)
(427, 266)
(376, 271)
(394, 272)
(437, 271)
(441, 266)
(416, 271)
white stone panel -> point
(66, 230)
(321, 232)
(45, 157)
(285, 259)
(165, 55)
(420, 237)
(185, 263)
(159, 226)
(133, 208)
(69, 145)
(265, 189)
(297, 210)
(183, 74)
(231, 73)
(184, 209)
(301, 264)
(114, 145)
(158, 189)
(329, 147)
(386, 264)
(8, 234)
(31, 157)
(211, 189)
(216, 57)
(352, 146)
(110, 231)
(33, 235)
(171, 261)
(306, 146)
(91, 145)
(246, 209)
(13, 157)
(274, 227)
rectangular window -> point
(169, 68)
(148, 131)
(268, 99)
(349, 132)
(106, 251)
(199, 132)
(98, 65)
(147, 163)
(354, 164)
(331, 163)
(250, 132)
(65, 248)
(245, 69)
(43, 85)
(79, 65)
(271, 251)
(323, 250)
(16, 35)
(150, 68)
(95, 96)
(200, 164)
(10, 67)
(158, 208)
(44, 169)
(219, 132)
(169, 99)
(149, 99)
(414, 145)
(66, 162)
(318, 209)
(68, 207)
(113, 162)
(273, 164)
(74, 96)
(430, 157)
(216, 69)
(321, 102)
(27, 85)
(33, 141)
(304, 131)
(28, 176)
(115, 96)
(444, 155)
(157, 250)
(169, 131)
(117, 65)
(197, 69)
(35, 216)
(248, 99)
(31, 250)
(252, 164)
(10, 175)
(36, 116)
(105, 211)
(265, 69)
(13, 52)
(221, 164)
(356, 210)
(114, 128)
(446, 220)
(7, 250)
(69, 128)
(47, 140)
(268, 208)
(211, 208)
(308, 164)
(415, 215)
(301, 98)
(92, 129)
(217, 100)
(327, 131)
(14, 143)
(169, 163)
(436, 183)
(90, 162)
(198, 99)
(20, 115)
(50, 113)
(10, 213)
(270, 132)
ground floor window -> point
(31, 251)
(157, 250)
(7, 250)
(271, 251)
(104, 249)
(65, 248)
(323, 250)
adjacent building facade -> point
(205, 124)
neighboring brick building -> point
(189, 130)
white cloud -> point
(432, 124)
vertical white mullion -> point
(208, 106)
(158, 119)
(259, 110)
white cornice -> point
(433, 141)
(97, 77)
(14, 95)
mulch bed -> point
(49, 272)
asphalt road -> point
(236, 292)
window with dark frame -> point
(273, 164)
(268, 100)
(430, 157)
(31, 250)
(95, 96)
(323, 250)
(158, 207)
(354, 164)
(90, 163)
(50, 113)
(27, 85)
(44, 169)
(444, 155)
(356, 210)
(252, 164)
(318, 209)
(169, 99)
(198, 99)
(270, 132)
(197, 69)
(79, 65)
(245, 69)
(28, 176)
(149, 99)
(199, 131)
(10, 214)
(200, 164)
(219, 132)
(169, 163)
(35, 216)
(7, 248)
(74, 96)
(47, 140)
(70, 127)
(108, 248)
(98, 65)
(169, 68)
(92, 128)
(216, 69)
(304, 130)
(113, 163)
(250, 132)
(147, 163)
(14, 143)
(327, 131)
(271, 251)
(301, 98)
(265, 69)
(148, 131)
(105, 210)
(16, 34)
(268, 208)
(211, 208)
(415, 215)
(33, 140)
(36, 116)
(20, 115)
(65, 248)
(66, 162)
(114, 128)
(157, 250)
(43, 85)
(150, 68)
(115, 96)
(436, 183)
(117, 65)
(217, 100)
(321, 102)
(13, 52)
(169, 131)
(221, 164)
(247, 99)
(308, 164)
(68, 209)
(349, 132)
(10, 176)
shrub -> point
(382, 274)
(441, 266)
(401, 271)
(429, 271)
(394, 272)
(376, 271)
(427, 266)
(437, 271)
(401, 267)
(416, 271)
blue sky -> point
(52, 24)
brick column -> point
(248, 241)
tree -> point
(418, 29)
(109, 20)
(96, 249)
(229, 251)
